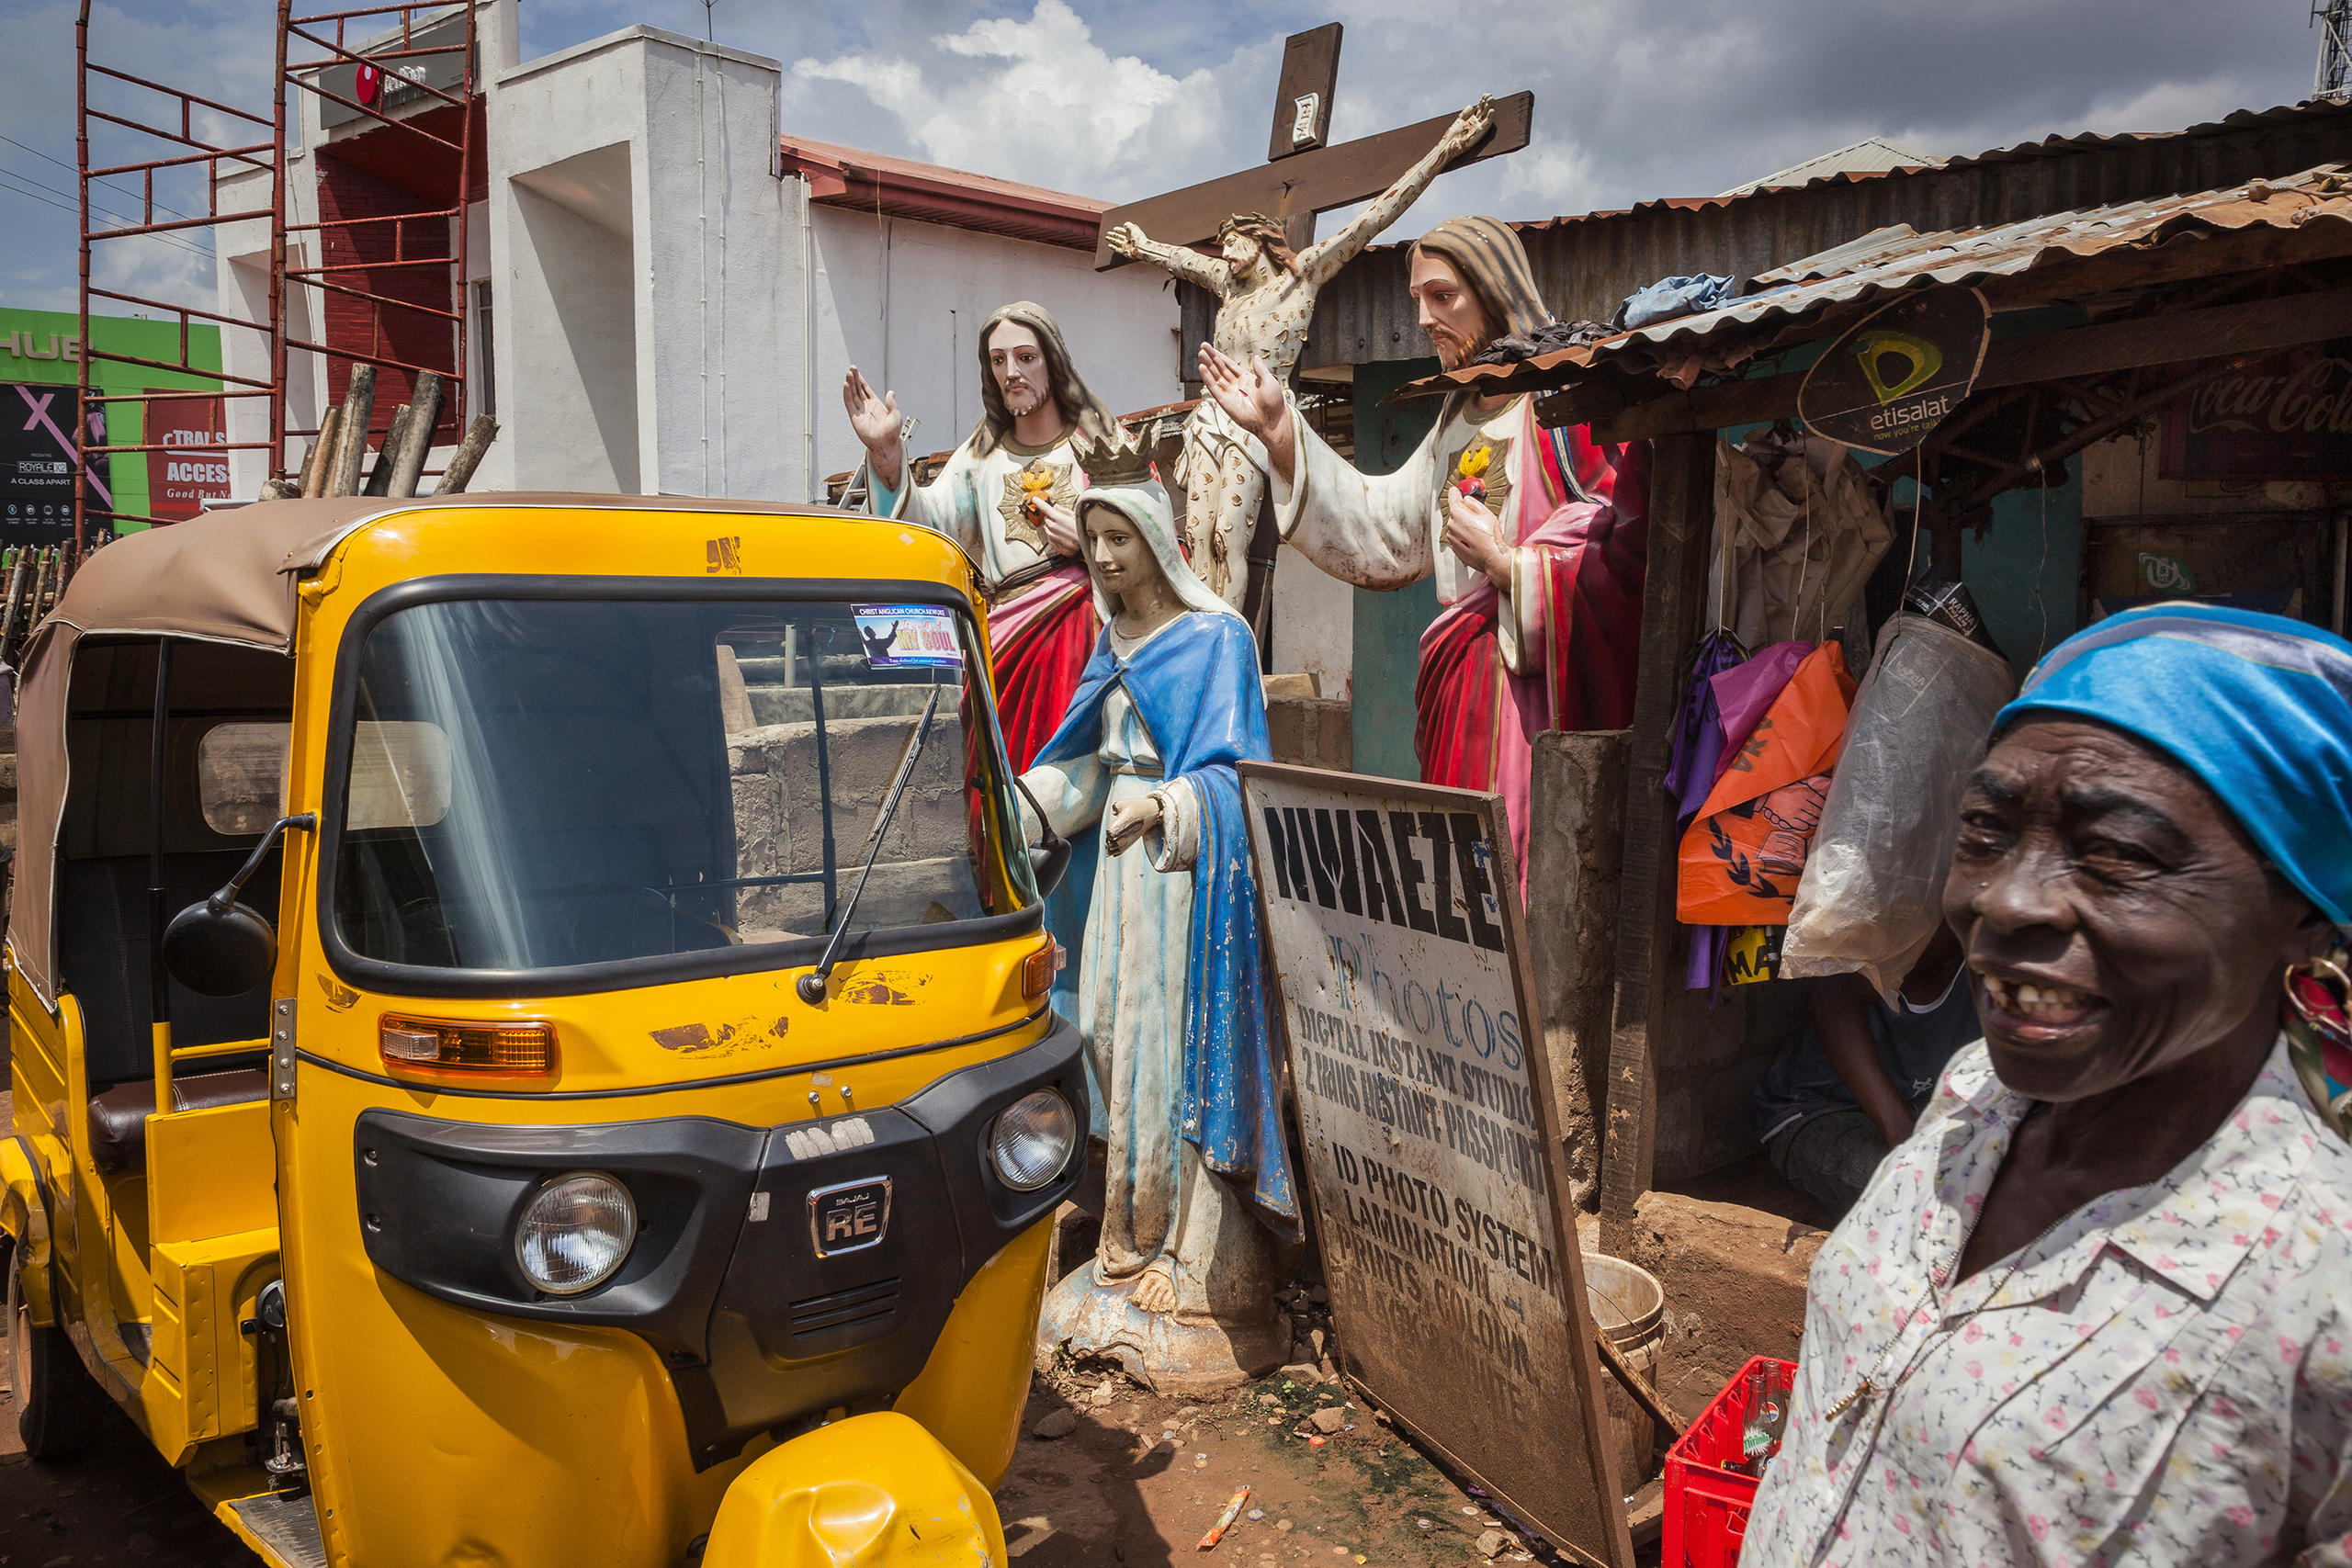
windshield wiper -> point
(811, 986)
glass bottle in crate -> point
(1759, 1432)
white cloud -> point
(1039, 100)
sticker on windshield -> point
(908, 637)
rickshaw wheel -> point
(59, 1406)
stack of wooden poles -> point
(34, 577)
(333, 462)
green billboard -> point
(41, 366)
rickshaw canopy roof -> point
(225, 577)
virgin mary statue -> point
(1166, 988)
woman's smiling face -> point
(2116, 917)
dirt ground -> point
(1141, 1479)
(1115, 1490)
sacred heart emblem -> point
(1038, 481)
(1482, 471)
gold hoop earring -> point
(2321, 969)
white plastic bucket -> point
(1628, 1305)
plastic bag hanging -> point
(1741, 859)
(1872, 894)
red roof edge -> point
(928, 193)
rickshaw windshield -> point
(533, 783)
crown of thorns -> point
(1247, 221)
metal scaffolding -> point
(171, 129)
(388, 71)
(2333, 19)
(408, 67)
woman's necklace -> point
(1869, 1387)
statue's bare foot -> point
(1155, 1289)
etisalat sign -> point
(1899, 372)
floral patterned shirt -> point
(2166, 1377)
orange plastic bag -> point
(1746, 849)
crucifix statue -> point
(1270, 270)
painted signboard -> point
(2284, 416)
(1899, 372)
(191, 471)
(37, 456)
(41, 367)
(432, 56)
(1433, 1163)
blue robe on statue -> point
(1175, 711)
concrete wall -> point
(639, 271)
(672, 317)
(566, 294)
(904, 302)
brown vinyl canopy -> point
(224, 577)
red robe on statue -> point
(1039, 639)
(1558, 649)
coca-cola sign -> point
(2287, 416)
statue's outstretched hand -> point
(876, 420)
(1128, 821)
(1254, 399)
(1126, 239)
(1471, 123)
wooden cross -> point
(1302, 176)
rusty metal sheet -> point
(1585, 263)
(2316, 196)
(1434, 1167)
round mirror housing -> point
(219, 950)
(1047, 861)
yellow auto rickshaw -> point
(597, 1101)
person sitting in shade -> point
(1850, 1084)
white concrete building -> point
(674, 284)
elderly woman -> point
(2094, 1309)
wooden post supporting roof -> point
(1682, 490)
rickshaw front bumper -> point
(872, 1490)
(783, 1274)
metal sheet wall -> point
(1585, 265)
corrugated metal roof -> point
(1871, 156)
(1585, 265)
(933, 193)
(1899, 260)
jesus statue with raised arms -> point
(1538, 538)
(1265, 299)
(1007, 496)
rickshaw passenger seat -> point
(118, 1117)
(102, 959)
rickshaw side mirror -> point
(219, 950)
(1050, 857)
(217, 947)
(1047, 861)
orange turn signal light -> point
(490, 1050)
(1038, 969)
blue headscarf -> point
(2257, 707)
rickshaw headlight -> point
(575, 1234)
(1033, 1139)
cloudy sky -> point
(1117, 98)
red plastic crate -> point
(1706, 1504)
